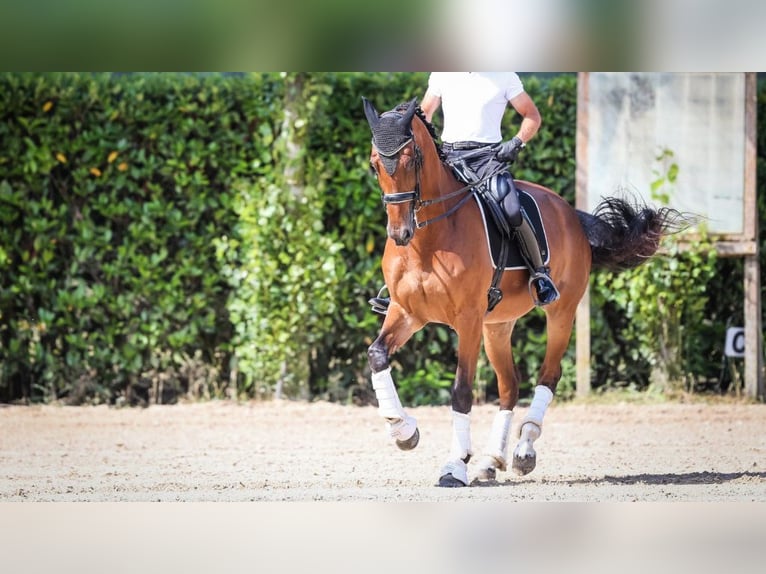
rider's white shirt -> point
(473, 103)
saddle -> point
(503, 207)
(496, 237)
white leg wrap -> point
(497, 445)
(402, 429)
(389, 405)
(400, 426)
(458, 469)
(524, 455)
(529, 433)
(543, 397)
(461, 436)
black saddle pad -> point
(494, 237)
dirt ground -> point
(290, 451)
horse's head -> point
(396, 161)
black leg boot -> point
(545, 291)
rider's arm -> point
(430, 104)
(531, 119)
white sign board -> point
(698, 117)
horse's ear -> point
(372, 114)
(409, 113)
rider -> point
(473, 105)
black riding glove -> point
(509, 151)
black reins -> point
(414, 195)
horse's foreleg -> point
(559, 330)
(455, 471)
(395, 332)
(402, 427)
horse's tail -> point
(624, 234)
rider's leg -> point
(539, 274)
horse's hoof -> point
(449, 481)
(487, 473)
(524, 464)
(411, 442)
(454, 474)
(488, 467)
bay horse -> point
(437, 268)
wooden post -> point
(582, 348)
(754, 376)
(582, 332)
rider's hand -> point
(509, 151)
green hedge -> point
(215, 235)
(112, 193)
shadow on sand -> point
(685, 478)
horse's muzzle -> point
(401, 235)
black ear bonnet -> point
(390, 131)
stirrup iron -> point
(380, 303)
(552, 294)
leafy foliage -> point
(662, 307)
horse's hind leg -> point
(559, 330)
(497, 344)
(395, 332)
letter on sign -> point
(735, 342)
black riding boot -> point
(539, 275)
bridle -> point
(413, 196)
(404, 196)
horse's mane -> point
(429, 126)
